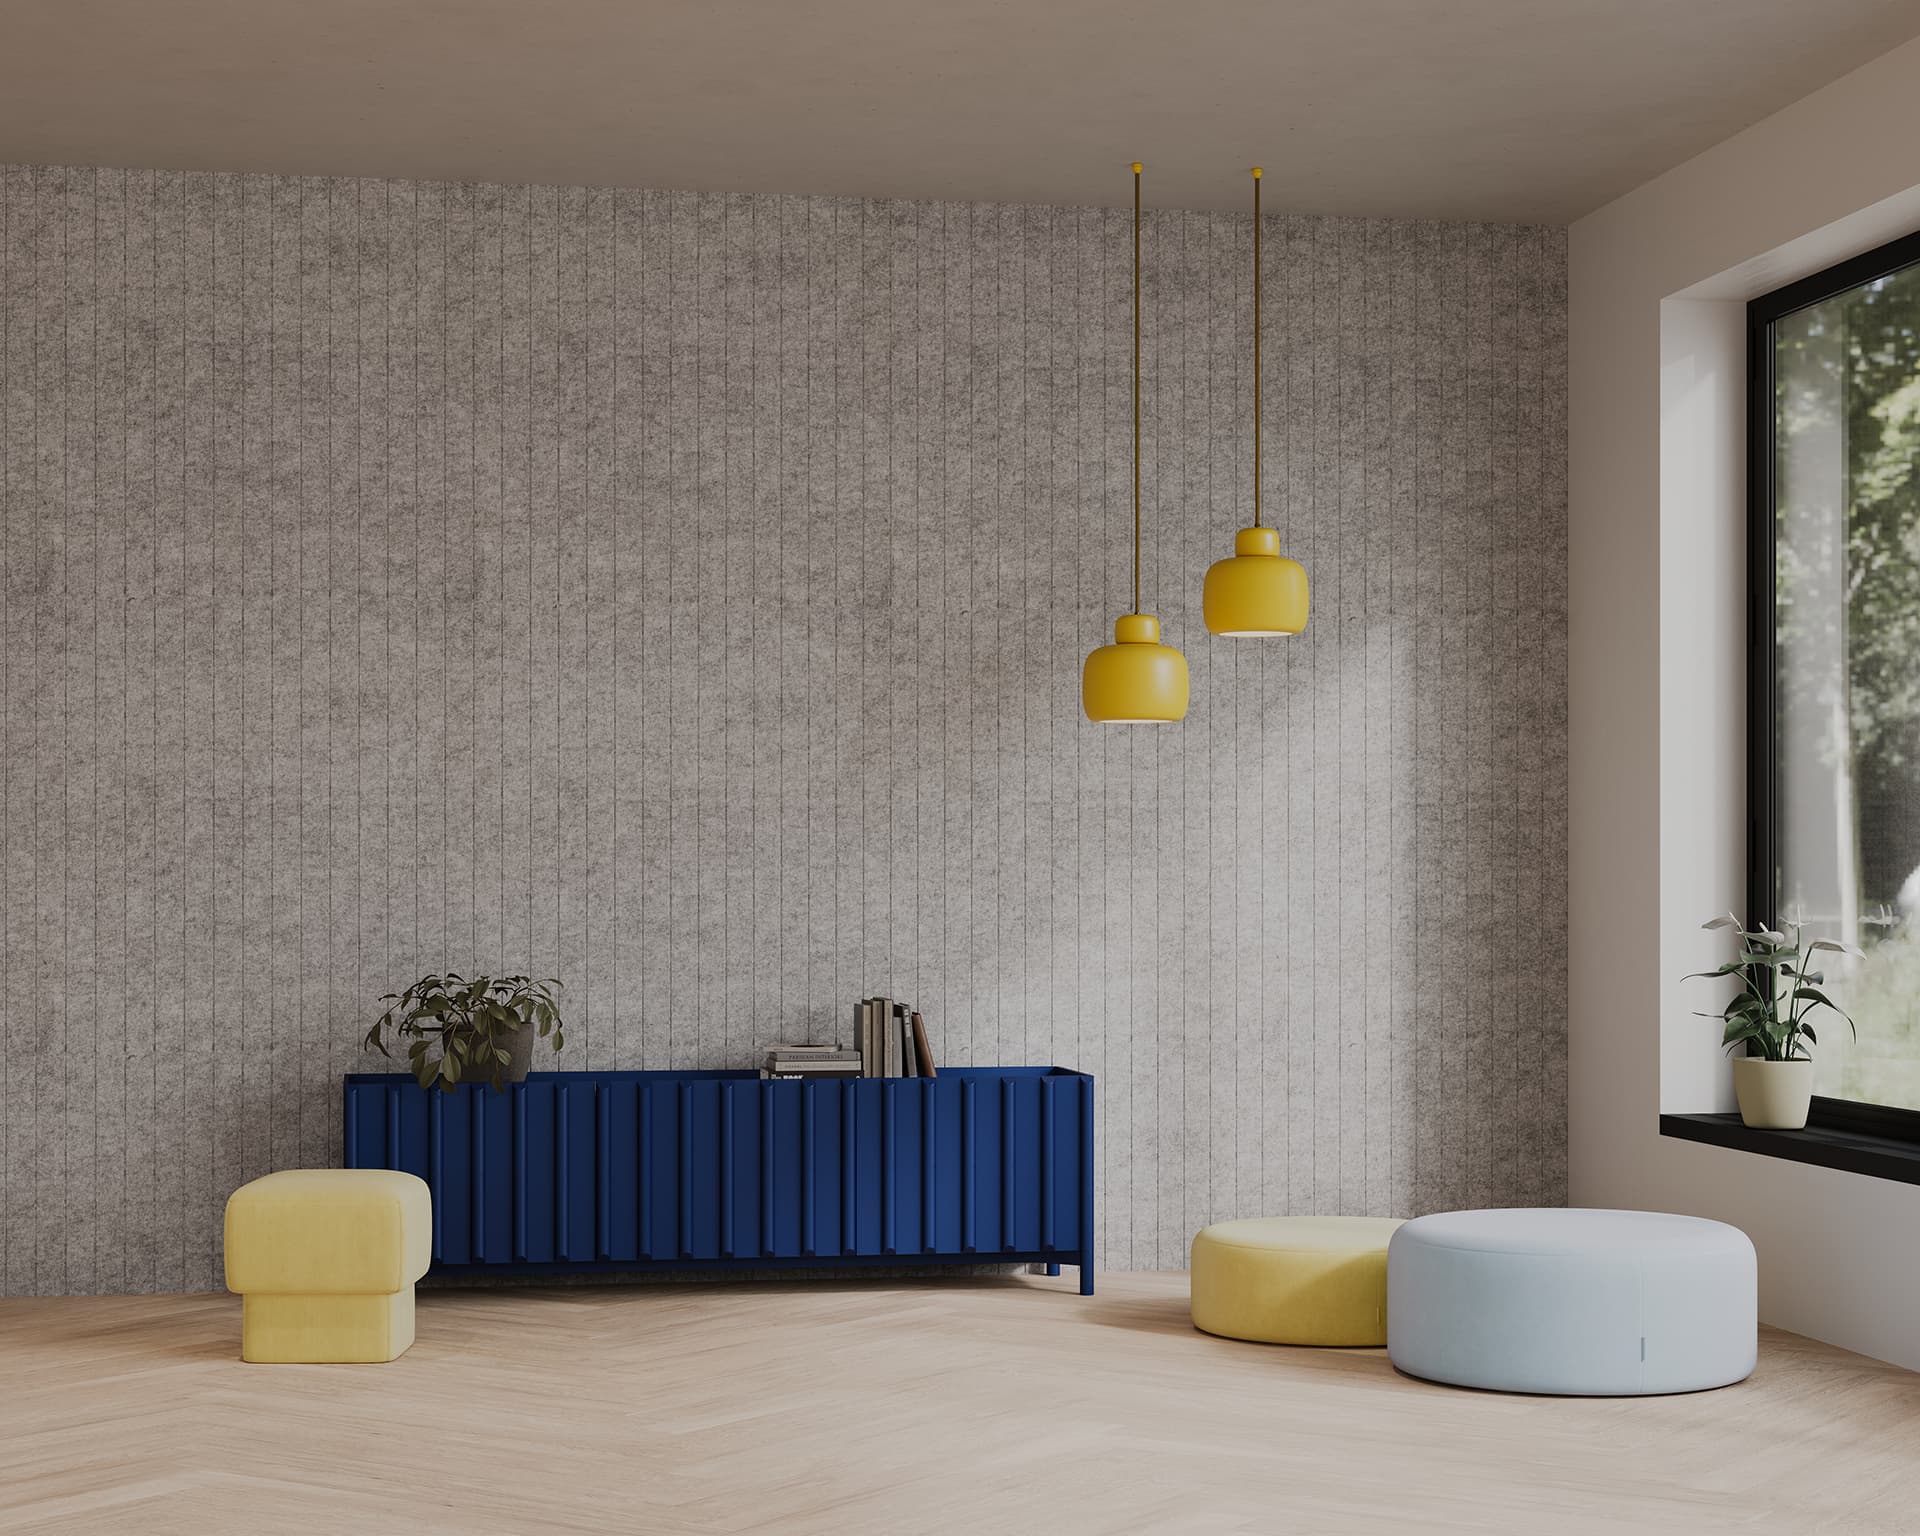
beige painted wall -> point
(1657, 281)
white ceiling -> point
(1491, 109)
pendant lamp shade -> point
(1256, 590)
(1136, 680)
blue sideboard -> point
(629, 1171)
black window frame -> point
(1883, 1121)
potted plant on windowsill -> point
(465, 1030)
(1767, 1016)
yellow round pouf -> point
(1294, 1279)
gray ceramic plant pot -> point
(519, 1046)
(520, 1053)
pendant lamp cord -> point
(1256, 346)
(1136, 386)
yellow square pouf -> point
(1294, 1279)
(325, 1261)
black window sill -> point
(1878, 1157)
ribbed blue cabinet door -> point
(945, 1174)
(864, 1143)
(407, 1129)
(700, 1170)
(1064, 1109)
(450, 1172)
(534, 1192)
(471, 1130)
(660, 1168)
(982, 1118)
(490, 1148)
(822, 1182)
(386, 1127)
(741, 1109)
(1020, 1155)
(363, 1139)
(783, 1166)
(902, 1189)
(620, 1134)
(575, 1137)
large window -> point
(1834, 717)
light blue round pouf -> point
(1572, 1302)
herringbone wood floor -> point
(892, 1407)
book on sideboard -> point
(810, 1061)
(890, 1039)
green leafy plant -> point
(472, 1023)
(1768, 1015)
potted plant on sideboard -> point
(483, 1028)
(1773, 1078)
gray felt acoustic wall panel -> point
(685, 596)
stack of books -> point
(811, 1061)
(890, 1039)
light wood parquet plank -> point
(892, 1407)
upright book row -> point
(891, 1039)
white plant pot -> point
(1773, 1095)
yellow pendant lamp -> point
(1256, 590)
(1136, 680)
